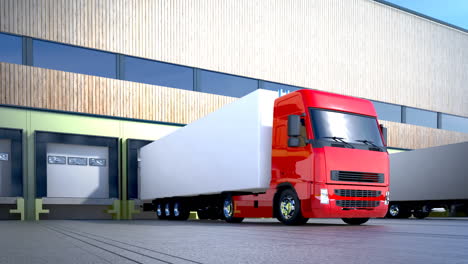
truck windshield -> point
(351, 128)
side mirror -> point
(293, 142)
(384, 133)
(294, 125)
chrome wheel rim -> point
(287, 207)
(176, 209)
(394, 210)
(227, 208)
(158, 210)
(167, 210)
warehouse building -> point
(84, 84)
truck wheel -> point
(289, 208)
(228, 211)
(168, 210)
(160, 211)
(181, 211)
(397, 211)
(355, 221)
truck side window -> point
(303, 137)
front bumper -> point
(345, 206)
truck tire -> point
(289, 208)
(355, 221)
(168, 211)
(160, 211)
(397, 211)
(228, 211)
(180, 210)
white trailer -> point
(187, 162)
(428, 178)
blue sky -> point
(451, 11)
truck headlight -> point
(324, 196)
(387, 198)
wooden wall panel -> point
(354, 47)
(49, 89)
(415, 137)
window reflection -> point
(11, 49)
(73, 59)
(158, 73)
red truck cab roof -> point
(337, 102)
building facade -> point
(134, 69)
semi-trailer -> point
(424, 179)
(306, 154)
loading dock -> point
(74, 170)
(11, 173)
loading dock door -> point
(77, 171)
(5, 167)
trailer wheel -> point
(160, 211)
(228, 211)
(355, 221)
(168, 211)
(289, 208)
(422, 212)
(180, 210)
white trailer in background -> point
(423, 179)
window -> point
(349, 127)
(455, 123)
(225, 84)
(73, 59)
(11, 49)
(389, 112)
(158, 73)
(279, 87)
(421, 117)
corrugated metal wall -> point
(355, 47)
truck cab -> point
(329, 160)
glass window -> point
(73, 59)
(421, 117)
(158, 73)
(455, 123)
(351, 128)
(284, 88)
(11, 49)
(225, 84)
(389, 112)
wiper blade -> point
(368, 142)
(340, 139)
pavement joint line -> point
(83, 248)
(128, 244)
(122, 256)
(135, 252)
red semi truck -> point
(325, 158)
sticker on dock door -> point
(97, 162)
(4, 156)
(56, 160)
(77, 161)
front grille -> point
(357, 193)
(357, 204)
(354, 176)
